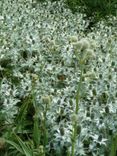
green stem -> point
(45, 131)
(74, 139)
(76, 111)
(78, 90)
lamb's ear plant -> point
(83, 53)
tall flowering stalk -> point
(83, 53)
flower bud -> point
(74, 117)
(35, 77)
(41, 150)
(77, 46)
(81, 45)
(85, 44)
(73, 39)
(89, 54)
(46, 99)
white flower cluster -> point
(84, 48)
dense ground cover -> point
(45, 55)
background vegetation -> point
(58, 82)
(94, 10)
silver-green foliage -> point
(36, 44)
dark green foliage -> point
(73, 4)
(95, 10)
(2, 117)
(94, 7)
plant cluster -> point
(94, 10)
(58, 86)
